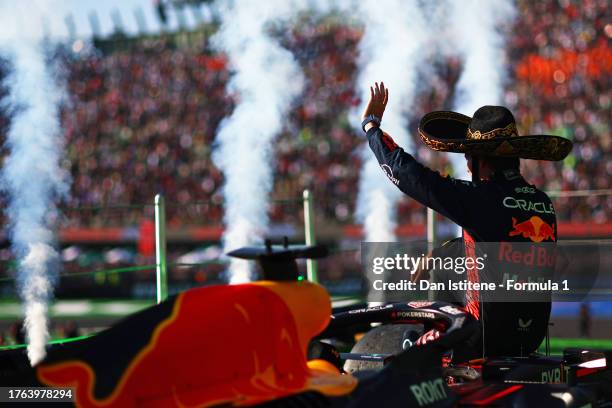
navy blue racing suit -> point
(503, 209)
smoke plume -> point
(394, 33)
(265, 80)
(477, 34)
(32, 177)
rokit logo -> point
(429, 392)
(387, 169)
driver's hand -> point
(427, 337)
(379, 96)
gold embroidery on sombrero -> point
(508, 131)
(504, 149)
(527, 147)
(503, 141)
(436, 144)
(442, 146)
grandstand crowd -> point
(143, 120)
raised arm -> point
(450, 197)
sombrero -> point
(490, 132)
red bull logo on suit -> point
(534, 228)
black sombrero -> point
(491, 132)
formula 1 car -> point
(271, 343)
(579, 378)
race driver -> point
(498, 207)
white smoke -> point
(32, 177)
(395, 31)
(477, 34)
(265, 79)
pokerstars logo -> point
(387, 169)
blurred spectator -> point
(68, 330)
(17, 332)
(585, 320)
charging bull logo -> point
(240, 344)
(535, 228)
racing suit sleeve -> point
(450, 197)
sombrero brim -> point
(446, 131)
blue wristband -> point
(368, 119)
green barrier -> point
(107, 208)
(58, 341)
(125, 269)
(196, 203)
(557, 345)
(105, 271)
